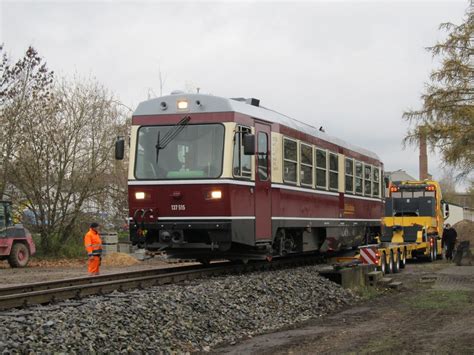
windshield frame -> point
(188, 125)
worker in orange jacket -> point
(93, 245)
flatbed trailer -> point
(412, 226)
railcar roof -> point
(209, 103)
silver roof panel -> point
(200, 103)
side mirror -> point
(445, 209)
(119, 148)
(249, 144)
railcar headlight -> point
(216, 194)
(140, 195)
(182, 105)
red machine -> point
(211, 177)
(16, 244)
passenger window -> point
(376, 181)
(368, 180)
(241, 165)
(306, 167)
(290, 162)
(349, 175)
(321, 169)
(333, 171)
(262, 156)
(358, 178)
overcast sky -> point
(351, 66)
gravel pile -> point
(194, 316)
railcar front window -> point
(196, 152)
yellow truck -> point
(412, 226)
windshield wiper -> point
(170, 135)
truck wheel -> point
(396, 262)
(403, 259)
(383, 264)
(19, 255)
(432, 256)
(390, 263)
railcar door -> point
(263, 186)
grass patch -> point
(439, 300)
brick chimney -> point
(423, 155)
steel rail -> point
(76, 288)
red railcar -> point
(196, 192)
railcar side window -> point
(306, 167)
(367, 180)
(290, 160)
(241, 166)
(376, 181)
(262, 156)
(321, 169)
(349, 175)
(333, 171)
(358, 178)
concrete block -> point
(109, 248)
(353, 277)
(385, 280)
(109, 238)
(124, 248)
(395, 285)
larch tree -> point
(447, 115)
(25, 88)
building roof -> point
(399, 175)
(200, 103)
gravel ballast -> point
(193, 316)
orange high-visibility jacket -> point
(93, 243)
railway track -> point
(76, 288)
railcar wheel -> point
(396, 262)
(205, 262)
(19, 256)
(390, 263)
(403, 259)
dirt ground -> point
(433, 312)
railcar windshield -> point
(196, 152)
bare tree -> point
(66, 152)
